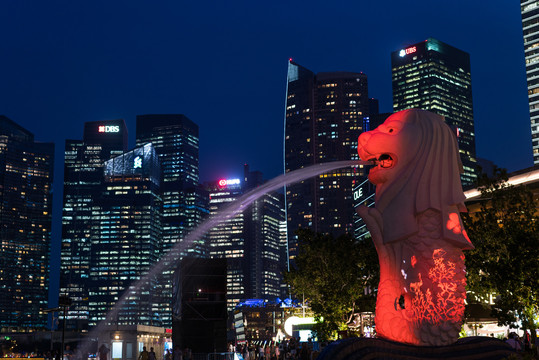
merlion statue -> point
(416, 228)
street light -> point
(52, 310)
(64, 301)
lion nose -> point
(363, 138)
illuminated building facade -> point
(26, 175)
(324, 117)
(185, 204)
(363, 194)
(125, 239)
(530, 28)
(83, 184)
(434, 76)
(250, 241)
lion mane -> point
(430, 181)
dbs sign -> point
(108, 128)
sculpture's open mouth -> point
(383, 161)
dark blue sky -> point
(223, 64)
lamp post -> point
(64, 301)
(53, 310)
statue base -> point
(476, 348)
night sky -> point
(223, 64)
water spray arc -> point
(228, 212)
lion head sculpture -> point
(418, 168)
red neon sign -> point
(226, 182)
(407, 51)
(410, 50)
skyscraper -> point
(435, 76)
(83, 185)
(125, 239)
(250, 241)
(324, 117)
(530, 28)
(175, 140)
(26, 175)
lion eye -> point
(390, 130)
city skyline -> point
(92, 83)
(225, 68)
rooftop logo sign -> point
(108, 128)
(225, 182)
(407, 51)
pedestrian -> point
(151, 354)
(513, 342)
(144, 354)
(103, 352)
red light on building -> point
(101, 128)
(222, 183)
(410, 50)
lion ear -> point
(431, 181)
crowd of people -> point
(285, 350)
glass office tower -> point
(26, 175)
(530, 28)
(83, 184)
(324, 117)
(250, 241)
(175, 140)
(434, 76)
(125, 240)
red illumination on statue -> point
(416, 227)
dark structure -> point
(476, 348)
(250, 241)
(83, 184)
(199, 312)
(530, 31)
(26, 175)
(324, 117)
(434, 76)
(175, 140)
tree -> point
(505, 261)
(333, 275)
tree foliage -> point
(505, 261)
(333, 275)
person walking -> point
(144, 354)
(151, 354)
(103, 352)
